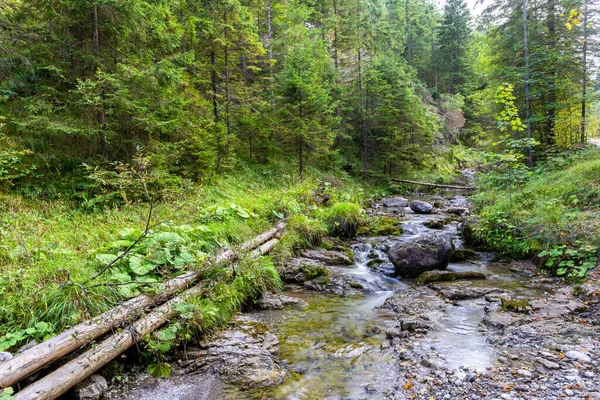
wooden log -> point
(64, 378)
(433, 184)
(59, 346)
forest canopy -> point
(370, 86)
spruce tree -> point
(453, 44)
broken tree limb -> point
(64, 378)
(433, 184)
(70, 340)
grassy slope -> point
(45, 242)
(558, 205)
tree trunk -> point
(270, 44)
(584, 80)
(362, 115)
(551, 104)
(95, 32)
(335, 35)
(408, 33)
(226, 53)
(527, 96)
(30, 361)
(300, 149)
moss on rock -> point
(463, 254)
(447, 276)
(380, 226)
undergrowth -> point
(551, 212)
(63, 263)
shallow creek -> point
(333, 347)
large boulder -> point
(421, 207)
(395, 202)
(426, 253)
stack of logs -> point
(157, 308)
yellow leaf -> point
(408, 385)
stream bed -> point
(365, 334)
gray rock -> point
(426, 253)
(525, 373)
(421, 207)
(395, 202)
(27, 346)
(91, 388)
(578, 356)
(329, 257)
(270, 301)
(5, 356)
(243, 354)
(547, 363)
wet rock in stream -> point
(425, 253)
(421, 207)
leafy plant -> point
(573, 263)
(40, 332)
(158, 256)
(7, 393)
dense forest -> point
(146, 140)
(368, 86)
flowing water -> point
(332, 347)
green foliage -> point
(39, 332)
(574, 263)
(508, 118)
(7, 393)
(343, 219)
(453, 42)
(553, 212)
(311, 230)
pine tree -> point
(453, 43)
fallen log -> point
(433, 184)
(64, 378)
(53, 349)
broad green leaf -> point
(105, 258)
(161, 370)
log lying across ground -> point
(433, 184)
(30, 361)
(60, 381)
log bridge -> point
(144, 313)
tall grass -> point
(45, 244)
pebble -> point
(578, 356)
(525, 373)
(548, 364)
(569, 392)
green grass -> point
(46, 244)
(558, 204)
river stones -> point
(395, 202)
(426, 253)
(421, 207)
